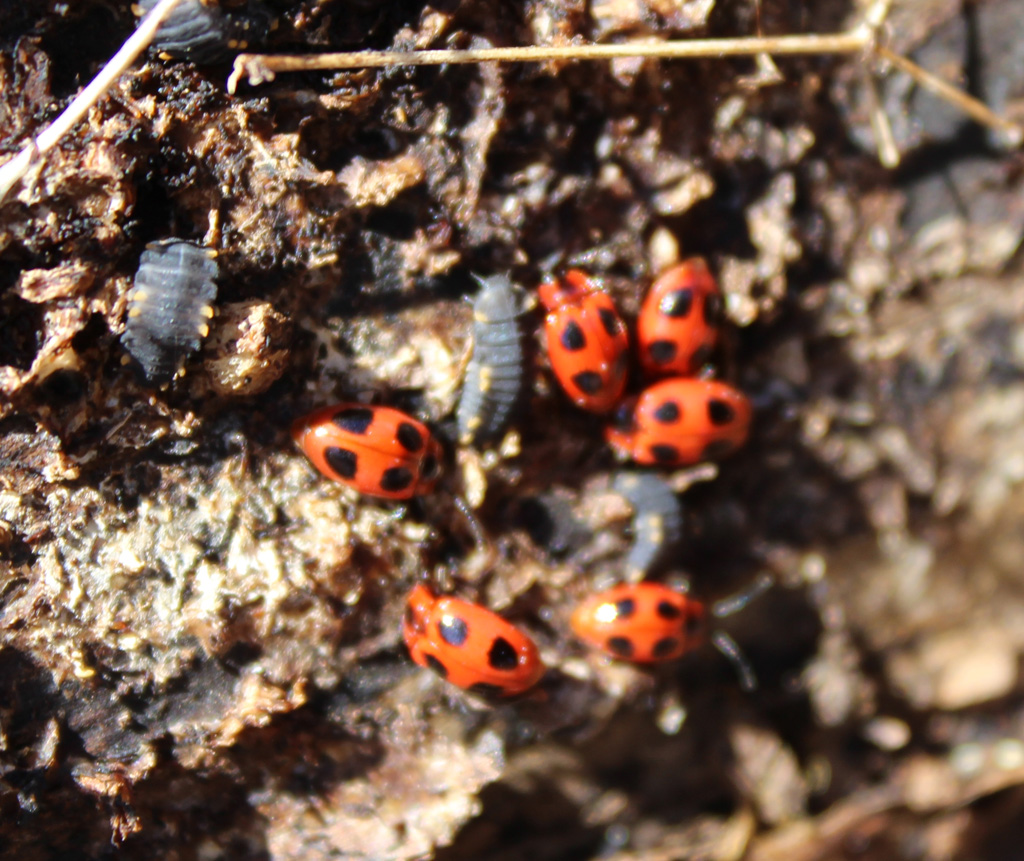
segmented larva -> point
(496, 374)
(170, 307)
(204, 33)
(657, 521)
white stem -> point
(12, 171)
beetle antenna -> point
(471, 519)
(734, 603)
(734, 654)
(480, 539)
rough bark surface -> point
(199, 640)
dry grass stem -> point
(885, 141)
(967, 103)
(13, 170)
(259, 68)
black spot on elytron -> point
(409, 437)
(714, 310)
(677, 304)
(453, 630)
(609, 321)
(623, 418)
(716, 449)
(700, 356)
(342, 461)
(572, 337)
(501, 655)
(354, 419)
(428, 467)
(396, 478)
(588, 382)
(668, 610)
(665, 647)
(667, 413)
(437, 666)
(484, 689)
(620, 646)
(662, 352)
(625, 608)
(720, 413)
(664, 453)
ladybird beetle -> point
(587, 341)
(680, 320)
(468, 645)
(657, 520)
(169, 308)
(679, 422)
(379, 451)
(204, 32)
(641, 622)
(494, 379)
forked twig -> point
(261, 68)
(13, 170)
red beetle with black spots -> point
(642, 622)
(468, 645)
(379, 451)
(680, 422)
(588, 344)
(680, 320)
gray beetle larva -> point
(657, 520)
(169, 307)
(204, 32)
(495, 376)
